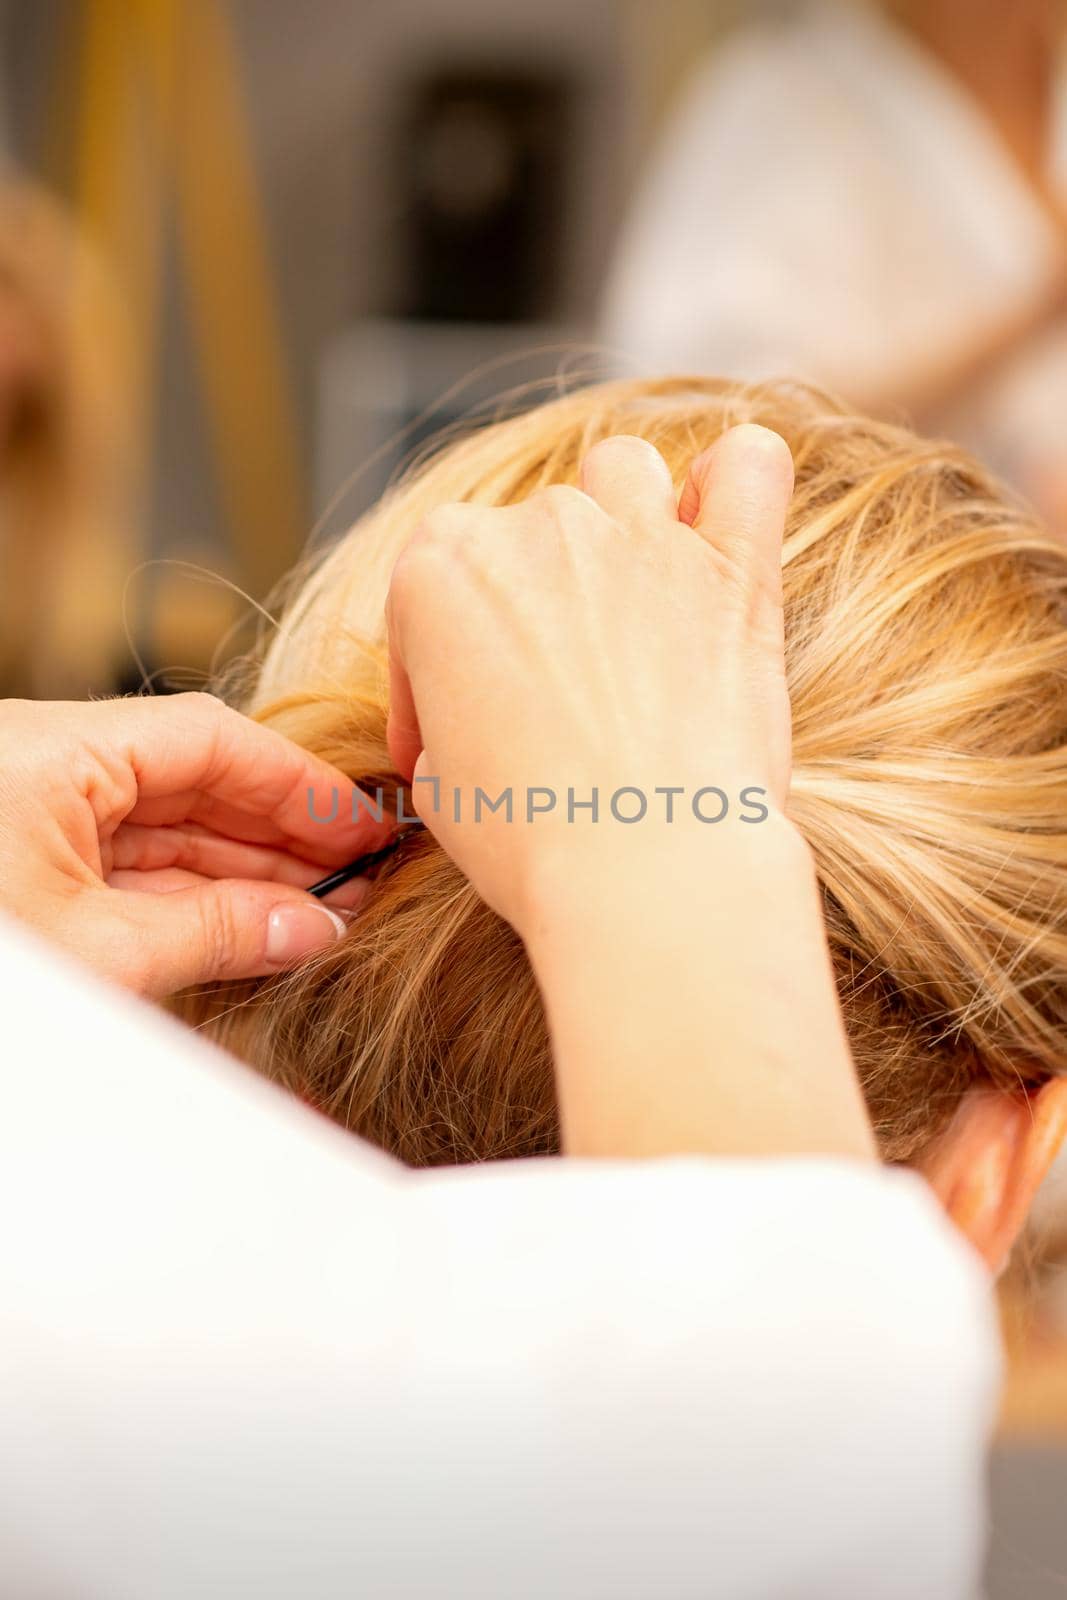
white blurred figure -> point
(873, 198)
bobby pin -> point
(362, 864)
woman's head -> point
(927, 661)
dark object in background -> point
(482, 166)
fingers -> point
(402, 723)
(133, 848)
(190, 756)
(165, 880)
(736, 497)
(414, 591)
(218, 931)
(630, 481)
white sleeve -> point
(241, 1354)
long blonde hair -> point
(927, 658)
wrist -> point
(613, 875)
(690, 998)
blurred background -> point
(256, 254)
(254, 242)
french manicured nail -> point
(294, 931)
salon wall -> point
(320, 92)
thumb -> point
(224, 929)
(736, 497)
(402, 736)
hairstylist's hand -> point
(168, 841)
(611, 639)
(599, 640)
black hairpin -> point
(362, 864)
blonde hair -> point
(927, 659)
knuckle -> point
(434, 535)
(732, 559)
(208, 721)
(138, 967)
(749, 592)
(118, 944)
(195, 704)
(562, 497)
(435, 544)
(220, 941)
(441, 525)
(407, 577)
(200, 700)
(565, 506)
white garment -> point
(243, 1355)
(828, 203)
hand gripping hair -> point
(927, 661)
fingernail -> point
(296, 930)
